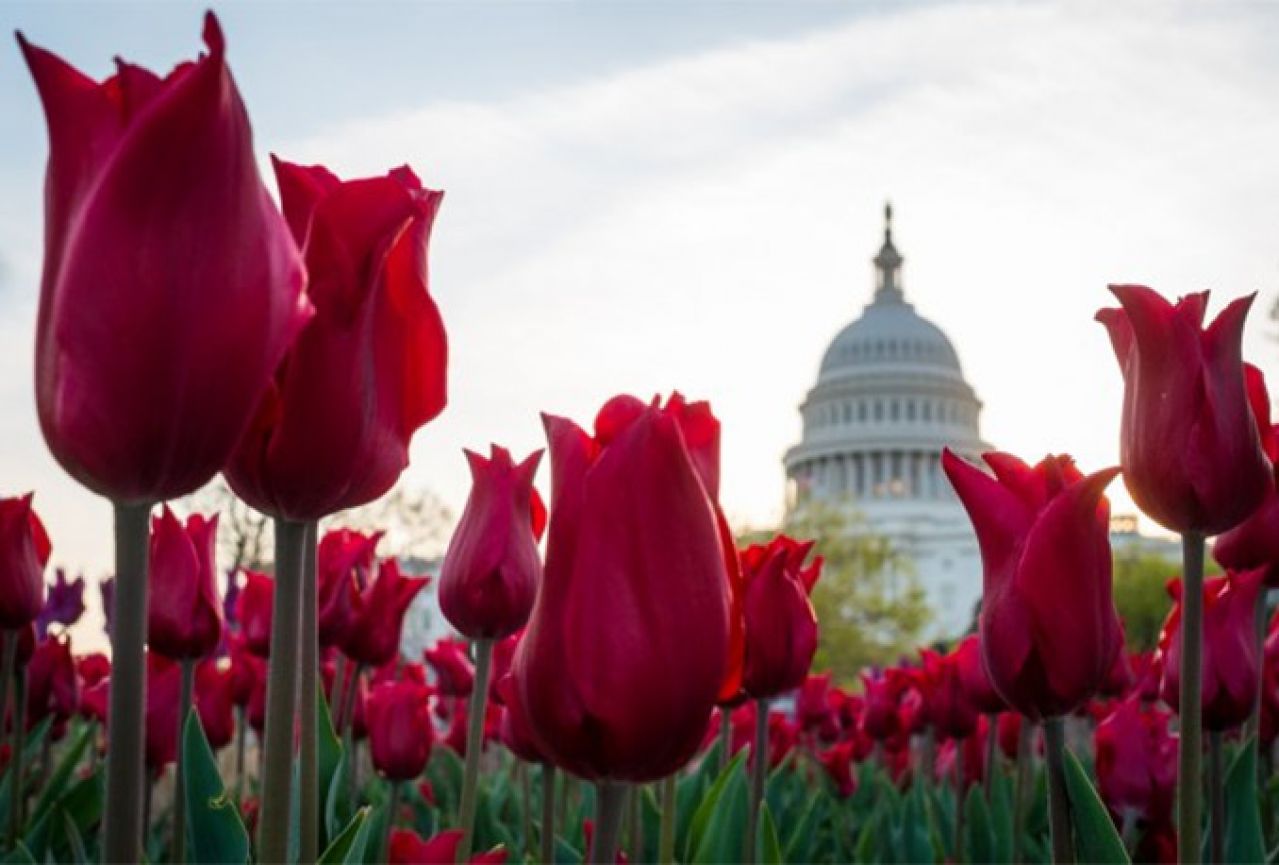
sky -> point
(648, 196)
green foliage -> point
(1140, 596)
(1243, 836)
(217, 833)
(1096, 839)
(869, 601)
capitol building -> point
(890, 395)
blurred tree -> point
(1140, 595)
(870, 606)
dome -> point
(889, 334)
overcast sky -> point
(648, 196)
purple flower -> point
(63, 603)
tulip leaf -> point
(1001, 816)
(348, 847)
(75, 843)
(799, 844)
(716, 834)
(1243, 841)
(1096, 839)
(768, 850)
(979, 838)
(30, 757)
(328, 754)
(57, 782)
(19, 855)
(337, 802)
(914, 842)
(216, 832)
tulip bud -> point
(1049, 631)
(253, 610)
(378, 616)
(1230, 662)
(333, 430)
(880, 717)
(1189, 445)
(24, 551)
(491, 570)
(628, 643)
(781, 627)
(400, 731)
(171, 286)
(344, 566)
(184, 617)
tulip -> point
(880, 718)
(215, 702)
(1231, 663)
(813, 709)
(53, 686)
(454, 672)
(24, 552)
(837, 760)
(400, 737)
(974, 679)
(1190, 446)
(254, 612)
(92, 668)
(345, 561)
(378, 615)
(781, 627)
(629, 640)
(64, 603)
(950, 711)
(408, 848)
(184, 617)
(1136, 766)
(491, 571)
(1049, 631)
(164, 692)
(503, 655)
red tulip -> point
(53, 687)
(368, 370)
(628, 644)
(164, 697)
(1119, 677)
(837, 760)
(454, 672)
(253, 611)
(24, 551)
(215, 702)
(1009, 733)
(950, 711)
(246, 671)
(374, 635)
(1190, 447)
(1136, 762)
(813, 709)
(171, 286)
(491, 570)
(880, 717)
(514, 735)
(408, 848)
(975, 680)
(1255, 541)
(1147, 673)
(184, 617)
(400, 731)
(503, 655)
(1049, 631)
(1230, 662)
(781, 627)
(973, 750)
(93, 668)
(344, 566)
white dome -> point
(889, 334)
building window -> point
(927, 408)
(910, 409)
(848, 412)
(879, 410)
(861, 410)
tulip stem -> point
(281, 692)
(179, 854)
(548, 814)
(759, 771)
(1217, 792)
(474, 747)
(308, 693)
(1253, 727)
(241, 734)
(637, 823)
(1021, 795)
(1190, 774)
(126, 777)
(666, 841)
(1058, 799)
(392, 808)
(526, 808)
(17, 785)
(725, 738)
(610, 804)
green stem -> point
(126, 774)
(308, 693)
(241, 734)
(637, 824)
(548, 814)
(179, 854)
(392, 809)
(725, 738)
(1058, 799)
(759, 771)
(1217, 795)
(474, 747)
(281, 693)
(610, 803)
(526, 808)
(1025, 779)
(1190, 774)
(17, 774)
(1253, 727)
(666, 842)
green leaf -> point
(768, 850)
(720, 821)
(30, 757)
(1244, 842)
(337, 804)
(75, 843)
(914, 842)
(348, 847)
(217, 833)
(1002, 817)
(799, 844)
(61, 775)
(328, 756)
(1096, 839)
(979, 840)
(19, 855)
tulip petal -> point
(999, 516)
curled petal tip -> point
(212, 34)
